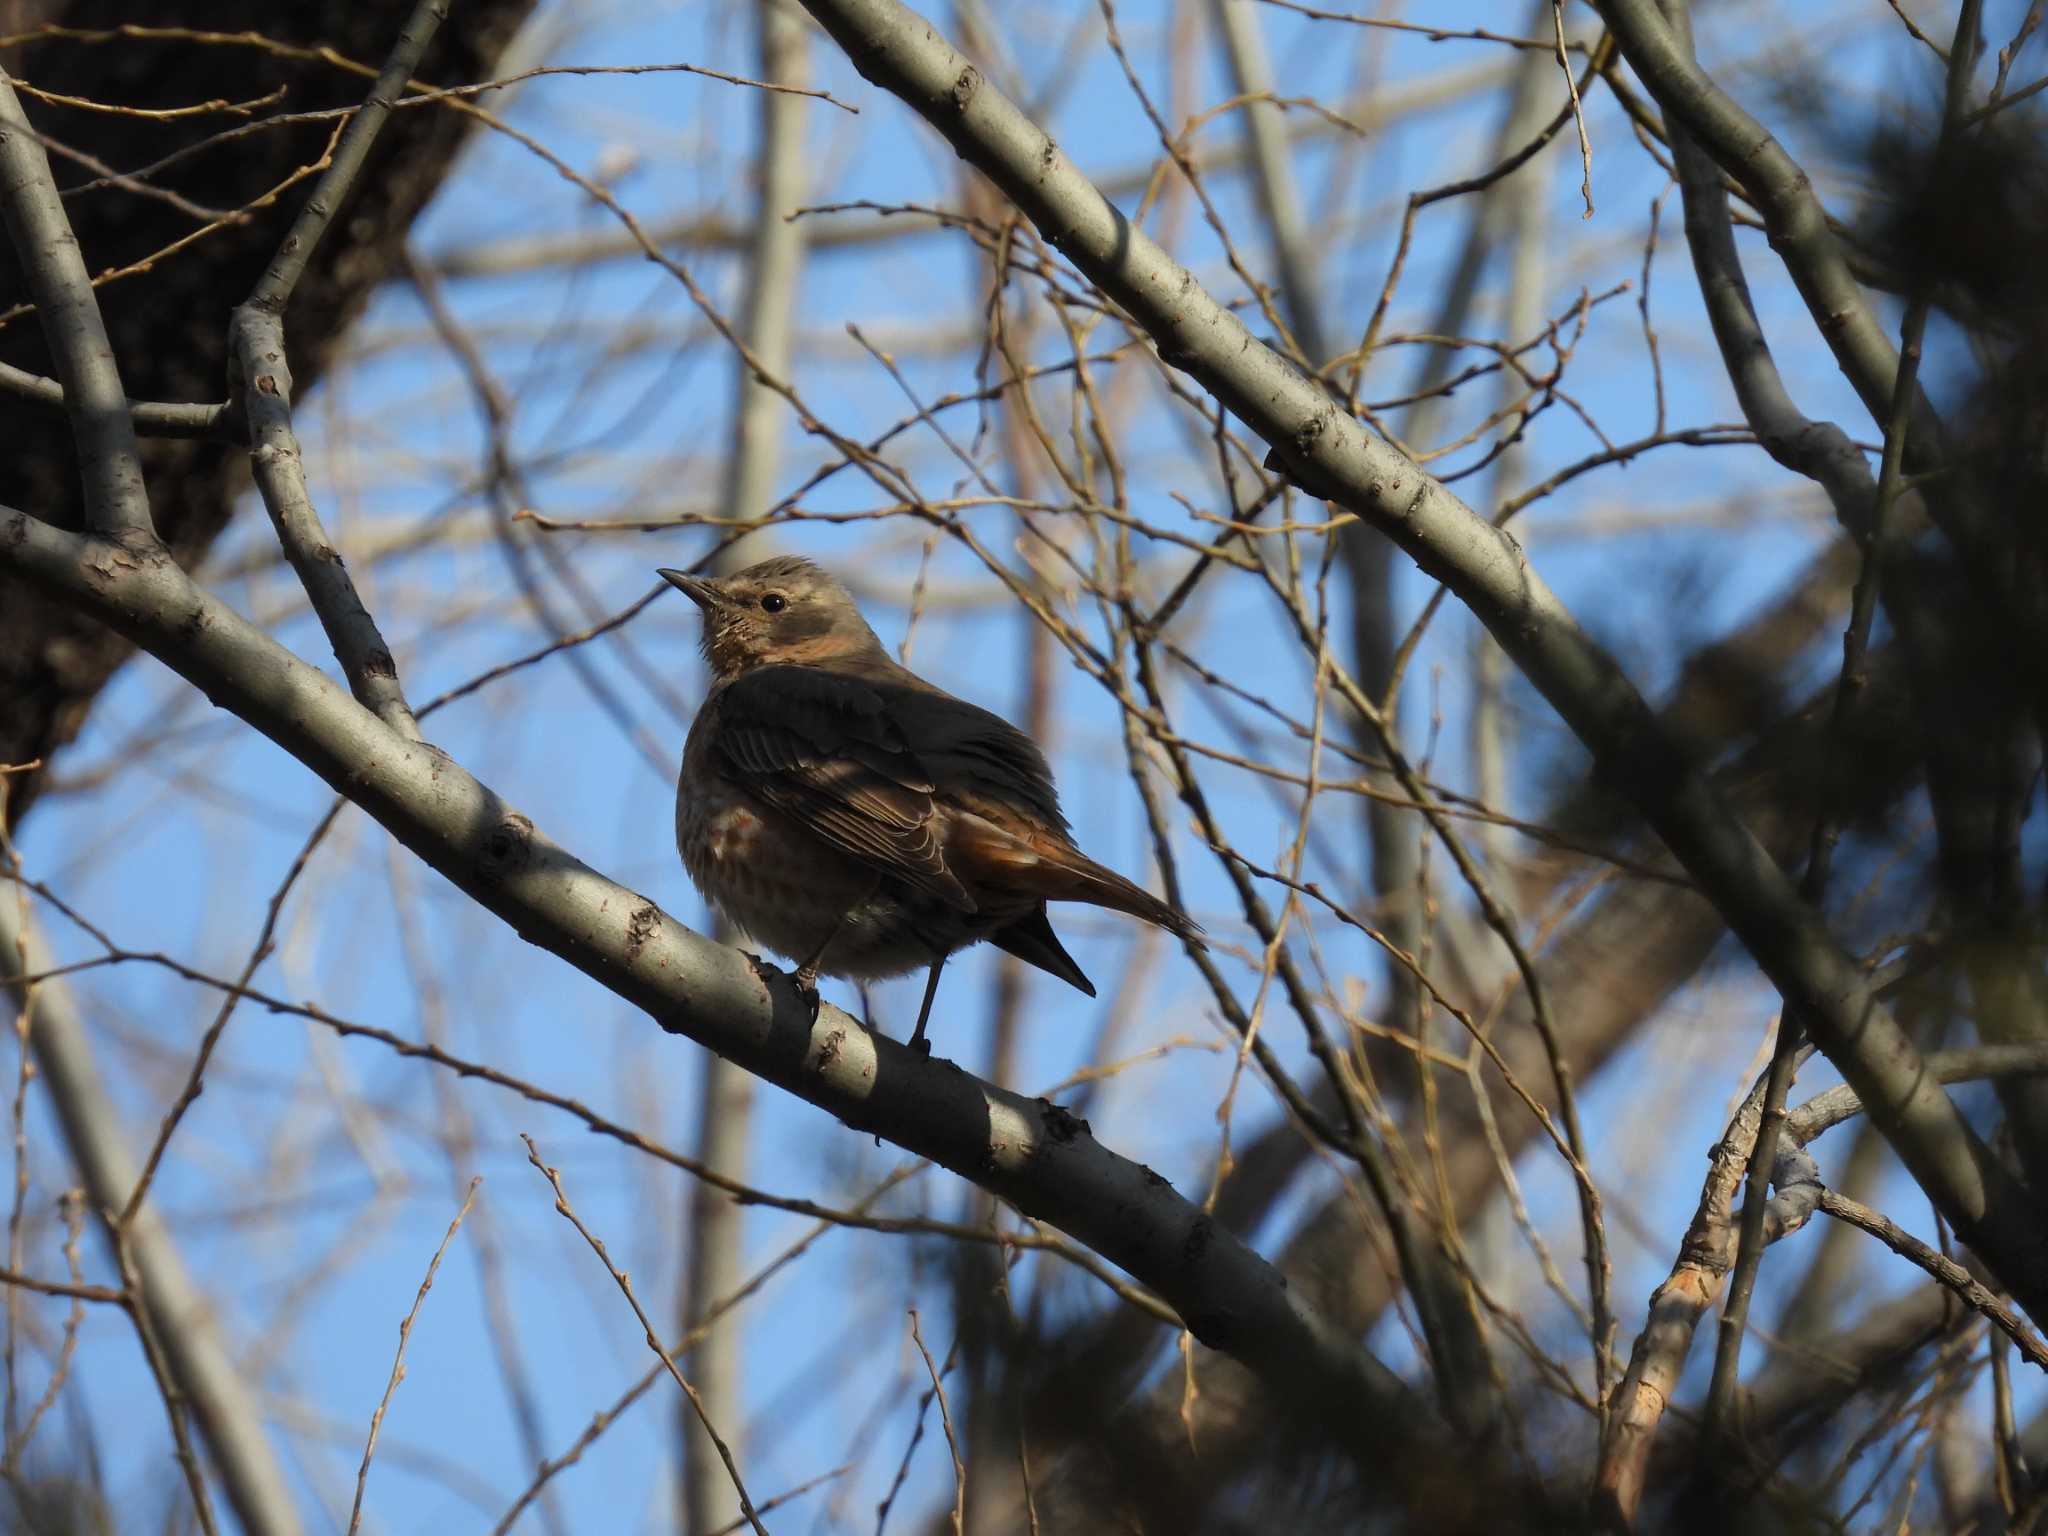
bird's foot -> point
(805, 978)
(807, 987)
(920, 1042)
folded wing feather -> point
(971, 809)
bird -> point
(861, 821)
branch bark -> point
(54, 267)
(167, 326)
(1030, 1152)
(1325, 448)
(196, 1357)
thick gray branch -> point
(274, 289)
(1781, 190)
(1819, 450)
(214, 1386)
(1031, 1153)
(256, 342)
(1328, 450)
(70, 316)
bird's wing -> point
(827, 749)
(1004, 835)
(972, 757)
(977, 758)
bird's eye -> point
(774, 602)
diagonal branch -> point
(257, 355)
(1819, 450)
(1332, 453)
(115, 500)
(1781, 190)
(1041, 1159)
(261, 379)
(274, 289)
(202, 1364)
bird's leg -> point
(918, 1043)
(807, 972)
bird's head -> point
(782, 611)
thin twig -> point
(355, 1514)
(1578, 110)
(75, 1289)
(946, 1421)
(625, 1285)
(195, 1079)
(1942, 1268)
(72, 1208)
(176, 1405)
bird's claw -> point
(807, 988)
(805, 978)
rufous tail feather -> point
(1056, 871)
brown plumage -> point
(852, 816)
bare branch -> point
(87, 371)
(1031, 1153)
(274, 289)
(265, 391)
(152, 418)
(207, 1375)
(355, 1514)
(1325, 449)
(661, 1350)
(1942, 1268)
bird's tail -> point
(1076, 877)
(1055, 870)
(1031, 939)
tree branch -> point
(257, 355)
(1779, 188)
(1819, 450)
(115, 500)
(274, 289)
(261, 379)
(1325, 448)
(152, 418)
(197, 1359)
(1030, 1152)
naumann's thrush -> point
(852, 816)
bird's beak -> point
(703, 593)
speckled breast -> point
(786, 887)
